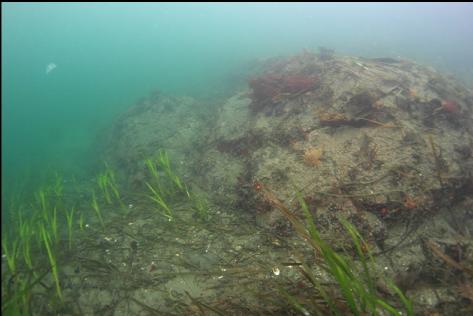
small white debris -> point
(386, 268)
(130, 205)
(305, 312)
(276, 271)
(124, 264)
(223, 269)
(108, 238)
(220, 277)
(86, 225)
(50, 67)
(130, 223)
(361, 65)
(177, 255)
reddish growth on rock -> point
(264, 88)
(297, 83)
(267, 88)
(450, 106)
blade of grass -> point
(10, 256)
(312, 279)
(200, 206)
(358, 292)
(52, 260)
(293, 301)
(357, 242)
(96, 208)
(81, 221)
(160, 201)
(405, 301)
(22, 292)
(25, 238)
(70, 221)
(54, 226)
(102, 181)
(201, 304)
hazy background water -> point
(110, 55)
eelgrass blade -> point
(156, 179)
(345, 286)
(22, 292)
(368, 279)
(70, 220)
(10, 256)
(200, 206)
(165, 163)
(102, 180)
(52, 260)
(202, 304)
(58, 187)
(54, 226)
(41, 195)
(293, 301)
(363, 255)
(152, 169)
(187, 191)
(337, 267)
(312, 279)
(359, 293)
(405, 301)
(96, 208)
(114, 188)
(160, 201)
(25, 238)
(387, 307)
(164, 160)
(81, 221)
(27, 252)
(112, 182)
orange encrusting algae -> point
(312, 156)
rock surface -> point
(385, 143)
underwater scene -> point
(237, 159)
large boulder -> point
(383, 142)
(377, 140)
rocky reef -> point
(383, 142)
